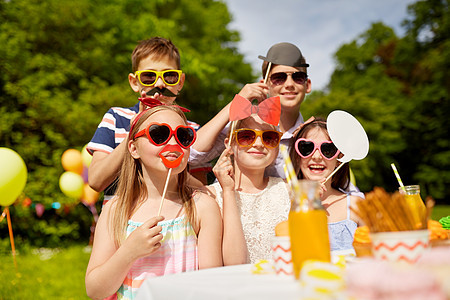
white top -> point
(260, 213)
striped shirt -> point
(178, 253)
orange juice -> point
(416, 204)
(418, 208)
(309, 237)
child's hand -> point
(256, 90)
(323, 188)
(142, 106)
(145, 239)
(224, 171)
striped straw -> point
(398, 177)
(291, 177)
(288, 177)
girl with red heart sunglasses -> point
(188, 234)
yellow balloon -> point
(71, 161)
(90, 196)
(13, 176)
(71, 184)
(86, 157)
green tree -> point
(398, 87)
(64, 63)
(424, 55)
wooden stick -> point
(396, 210)
(335, 170)
(382, 212)
(11, 237)
(267, 72)
(361, 216)
(232, 126)
(3, 215)
(164, 191)
(404, 216)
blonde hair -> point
(131, 190)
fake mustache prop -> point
(164, 91)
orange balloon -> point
(71, 161)
(90, 196)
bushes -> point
(55, 228)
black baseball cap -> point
(285, 54)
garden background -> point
(64, 63)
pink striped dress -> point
(178, 253)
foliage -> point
(44, 273)
(55, 228)
(398, 88)
(64, 63)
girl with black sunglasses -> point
(132, 242)
(314, 157)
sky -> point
(317, 27)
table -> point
(231, 282)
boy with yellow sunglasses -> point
(156, 75)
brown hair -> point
(156, 46)
(341, 179)
(131, 190)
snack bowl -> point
(400, 246)
(281, 254)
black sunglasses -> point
(280, 78)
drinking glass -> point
(308, 226)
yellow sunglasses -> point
(149, 77)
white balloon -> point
(348, 135)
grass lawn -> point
(45, 274)
(440, 211)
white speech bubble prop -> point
(348, 135)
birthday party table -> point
(231, 282)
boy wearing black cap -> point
(285, 75)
